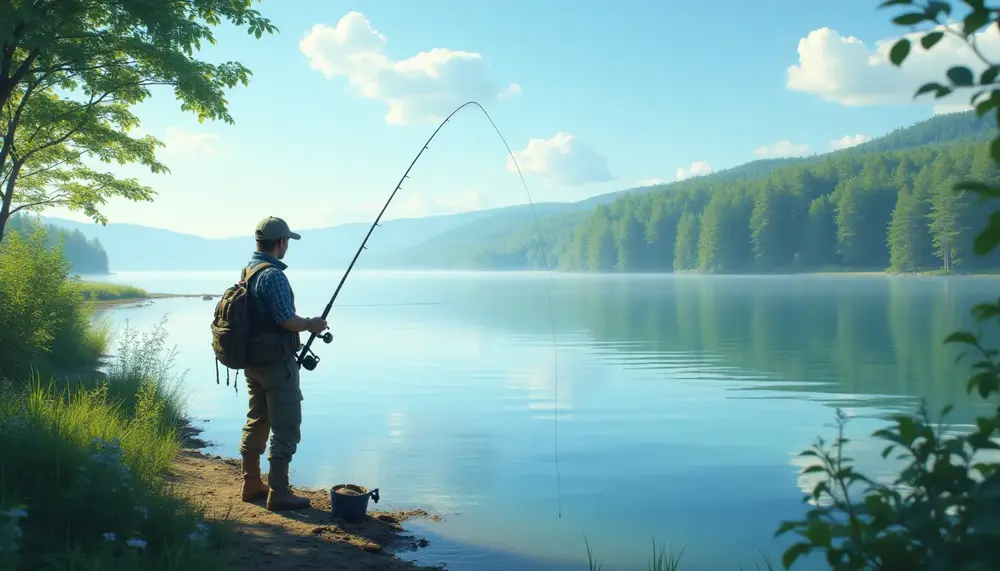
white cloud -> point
(783, 148)
(697, 168)
(848, 141)
(422, 88)
(178, 141)
(562, 160)
(512, 90)
(846, 70)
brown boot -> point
(253, 487)
(280, 496)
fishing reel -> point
(310, 361)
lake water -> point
(680, 401)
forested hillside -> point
(885, 204)
(894, 210)
(85, 256)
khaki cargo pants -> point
(275, 407)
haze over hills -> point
(485, 239)
(132, 247)
(85, 256)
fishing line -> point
(309, 360)
(414, 304)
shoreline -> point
(153, 296)
(299, 539)
(311, 538)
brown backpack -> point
(231, 326)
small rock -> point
(372, 548)
(422, 543)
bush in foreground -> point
(45, 324)
(83, 473)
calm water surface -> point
(681, 401)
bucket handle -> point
(373, 495)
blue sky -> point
(596, 96)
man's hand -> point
(313, 324)
(316, 325)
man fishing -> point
(273, 379)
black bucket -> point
(350, 502)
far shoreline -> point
(137, 296)
(109, 303)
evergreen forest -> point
(885, 205)
(85, 256)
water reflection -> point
(682, 400)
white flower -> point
(136, 543)
(200, 534)
(110, 536)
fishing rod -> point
(307, 358)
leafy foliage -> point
(44, 323)
(70, 72)
(942, 510)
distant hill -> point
(471, 239)
(132, 247)
(85, 256)
(511, 242)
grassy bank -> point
(97, 291)
(83, 455)
(104, 295)
(84, 467)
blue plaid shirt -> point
(272, 288)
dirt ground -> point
(305, 539)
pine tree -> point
(944, 223)
(820, 247)
(686, 256)
(904, 230)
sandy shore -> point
(302, 539)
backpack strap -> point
(247, 274)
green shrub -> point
(44, 325)
(83, 472)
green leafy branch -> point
(942, 510)
(987, 95)
(70, 72)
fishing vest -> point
(269, 341)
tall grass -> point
(667, 560)
(82, 471)
(97, 291)
(143, 363)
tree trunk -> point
(8, 198)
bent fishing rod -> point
(307, 358)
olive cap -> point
(272, 228)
